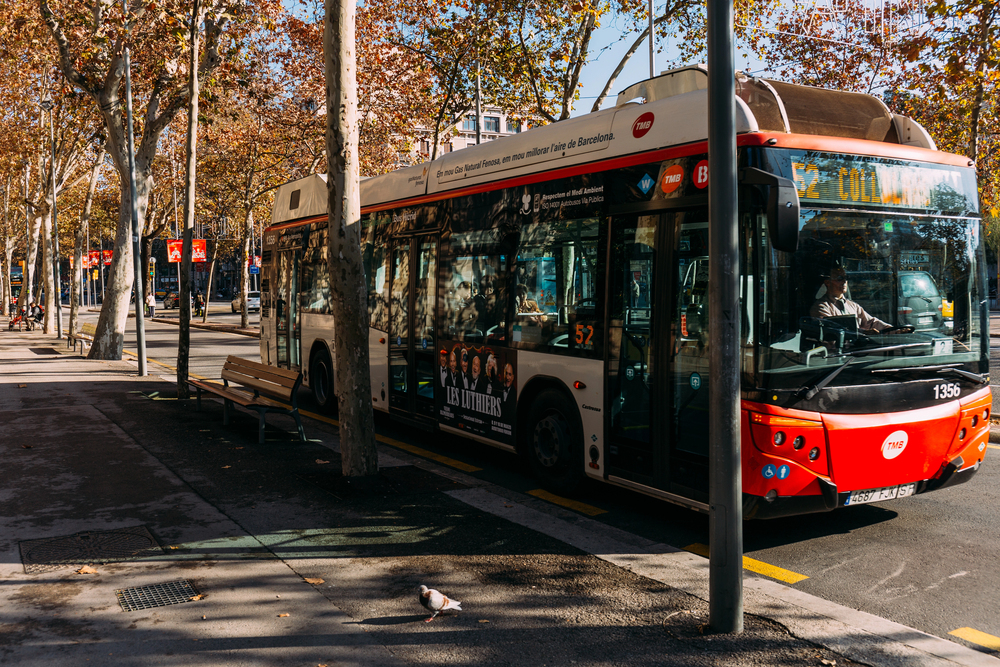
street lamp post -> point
(140, 328)
(46, 104)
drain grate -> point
(90, 547)
(44, 350)
(156, 595)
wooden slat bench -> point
(85, 336)
(268, 385)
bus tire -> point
(553, 442)
(321, 380)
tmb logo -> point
(894, 444)
(642, 125)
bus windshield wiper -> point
(966, 374)
(808, 391)
(940, 368)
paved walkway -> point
(292, 565)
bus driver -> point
(834, 303)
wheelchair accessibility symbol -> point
(771, 471)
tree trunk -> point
(77, 281)
(48, 284)
(208, 290)
(78, 246)
(347, 276)
(184, 331)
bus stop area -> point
(137, 531)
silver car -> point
(253, 302)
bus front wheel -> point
(321, 380)
(553, 442)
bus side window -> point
(376, 262)
(557, 283)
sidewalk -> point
(295, 565)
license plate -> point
(878, 495)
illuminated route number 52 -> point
(584, 332)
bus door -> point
(658, 363)
(288, 330)
(412, 350)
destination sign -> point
(830, 179)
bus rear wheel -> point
(553, 442)
(321, 380)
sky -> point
(595, 74)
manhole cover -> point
(157, 595)
(87, 548)
(44, 350)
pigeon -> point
(436, 601)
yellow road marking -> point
(583, 508)
(757, 566)
(464, 467)
(993, 446)
(167, 366)
(977, 637)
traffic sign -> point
(254, 270)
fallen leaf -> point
(483, 620)
(197, 597)
(315, 581)
(224, 467)
(203, 617)
(321, 461)
(22, 386)
(282, 615)
(86, 569)
(173, 547)
(26, 446)
(237, 448)
(831, 663)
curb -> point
(226, 328)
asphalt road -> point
(927, 561)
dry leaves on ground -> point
(86, 569)
(283, 615)
(321, 461)
(315, 581)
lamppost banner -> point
(175, 246)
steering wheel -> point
(900, 329)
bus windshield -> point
(883, 290)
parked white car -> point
(253, 302)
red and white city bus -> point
(547, 294)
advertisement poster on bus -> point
(477, 390)
(176, 246)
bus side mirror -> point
(782, 207)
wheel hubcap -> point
(548, 439)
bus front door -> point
(657, 356)
(412, 355)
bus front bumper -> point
(763, 507)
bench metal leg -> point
(298, 422)
(260, 428)
(225, 412)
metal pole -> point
(725, 485)
(140, 329)
(652, 41)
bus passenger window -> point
(473, 302)
(376, 262)
(557, 285)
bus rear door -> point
(412, 349)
